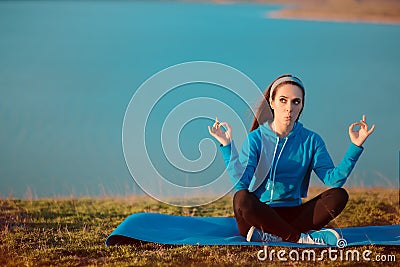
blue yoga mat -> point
(185, 230)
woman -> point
(272, 172)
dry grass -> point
(72, 231)
(374, 11)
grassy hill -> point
(72, 231)
(376, 11)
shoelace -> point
(307, 239)
(266, 237)
(318, 241)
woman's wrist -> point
(226, 143)
(359, 144)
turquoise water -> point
(68, 70)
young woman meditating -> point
(272, 172)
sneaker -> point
(261, 236)
(322, 237)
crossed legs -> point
(288, 222)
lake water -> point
(68, 70)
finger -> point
(371, 130)
(364, 118)
(363, 124)
(216, 123)
(224, 124)
(227, 126)
(209, 130)
(212, 130)
(229, 130)
(351, 127)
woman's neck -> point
(281, 130)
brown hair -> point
(264, 111)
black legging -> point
(288, 222)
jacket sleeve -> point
(241, 167)
(326, 170)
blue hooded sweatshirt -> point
(278, 170)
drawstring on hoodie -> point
(273, 170)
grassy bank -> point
(72, 231)
(374, 11)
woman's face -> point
(287, 104)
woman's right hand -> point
(216, 131)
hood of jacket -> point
(268, 132)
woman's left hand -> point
(359, 136)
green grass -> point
(72, 232)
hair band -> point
(283, 80)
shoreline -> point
(286, 15)
(352, 11)
(312, 191)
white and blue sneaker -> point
(322, 237)
(261, 236)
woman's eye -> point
(282, 100)
(297, 102)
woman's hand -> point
(216, 131)
(359, 136)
